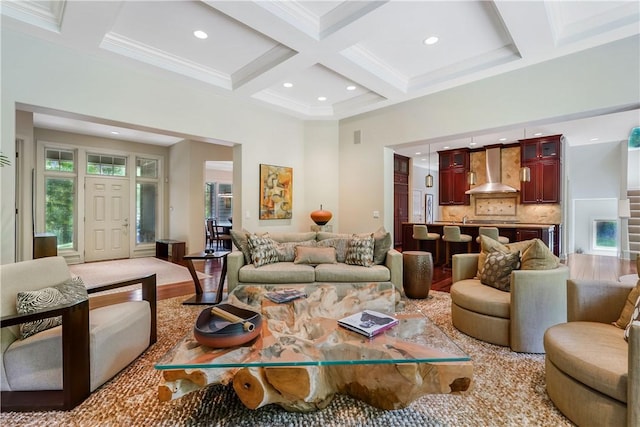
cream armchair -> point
(592, 373)
(516, 319)
(58, 368)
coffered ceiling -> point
(327, 59)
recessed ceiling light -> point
(351, 87)
(424, 159)
(114, 132)
(594, 139)
(431, 40)
(287, 84)
(322, 98)
(200, 34)
(445, 147)
(502, 139)
(537, 134)
(472, 143)
(418, 153)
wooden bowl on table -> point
(213, 330)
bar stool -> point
(452, 235)
(491, 232)
(420, 232)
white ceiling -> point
(321, 47)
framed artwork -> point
(428, 208)
(276, 192)
(605, 234)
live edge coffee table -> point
(303, 358)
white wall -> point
(418, 174)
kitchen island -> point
(514, 231)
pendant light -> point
(525, 172)
(471, 175)
(428, 180)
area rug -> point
(508, 390)
(98, 273)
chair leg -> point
(447, 260)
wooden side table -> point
(201, 297)
(170, 250)
(417, 270)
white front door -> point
(106, 218)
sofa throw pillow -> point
(360, 251)
(240, 240)
(627, 310)
(315, 255)
(497, 269)
(635, 316)
(538, 256)
(339, 244)
(263, 250)
(68, 292)
(488, 245)
(381, 244)
(287, 250)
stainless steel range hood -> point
(494, 175)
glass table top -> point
(305, 332)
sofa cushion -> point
(287, 250)
(263, 250)
(635, 316)
(474, 296)
(592, 353)
(538, 256)
(240, 240)
(280, 272)
(341, 272)
(314, 255)
(360, 251)
(382, 242)
(293, 237)
(497, 269)
(68, 292)
(627, 310)
(340, 244)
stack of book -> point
(368, 323)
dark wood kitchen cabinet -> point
(454, 167)
(400, 196)
(542, 157)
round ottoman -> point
(417, 273)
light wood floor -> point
(581, 266)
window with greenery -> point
(218, 201)
(59, 160)
(146, 199)
(98, 164)
(60, 195)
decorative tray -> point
(225, 325)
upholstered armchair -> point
(518, 319)
(58, 367)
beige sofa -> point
(241, 271)
(592, 373)
(516, 319)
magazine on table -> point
(285, 295)
(368, 323)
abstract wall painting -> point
(605, 234)
(276, 192)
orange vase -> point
(321, 217)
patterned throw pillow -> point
(263, 250)
(241, 241)
(360, 251)
(68, 292)
(497, 269)
(634, 316)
